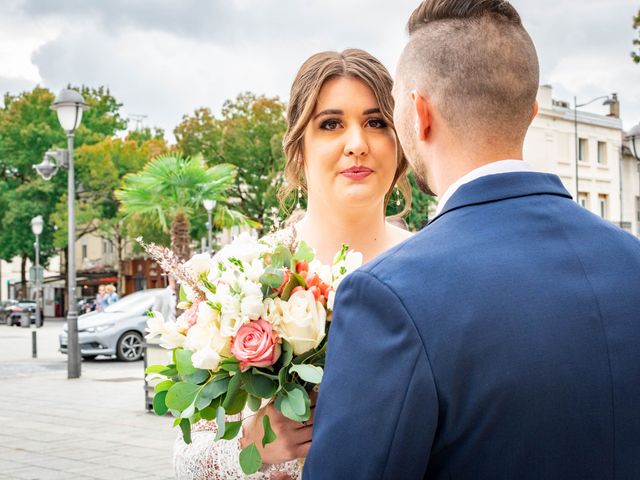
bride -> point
(342, 150)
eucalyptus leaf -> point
(238, 404)
(185, 426)
(308, 373)
(164, 385)
(287, 354)
(183, 362)
(259, 386)
(181, 395)
(269, 435)
(198, 377)
(159, 405)
(304, 252)
(211, 391)
(155, 369)
(254, 403)
(271, 279)
(250, 460)
(281, 257)
(189, 411)
(232, 390)
(231, 430)
(221, 423)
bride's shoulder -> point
(398, 234)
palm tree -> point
(171, 188)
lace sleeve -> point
(206, 459)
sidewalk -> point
(94, 427)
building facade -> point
(607, 174)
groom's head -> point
(466, 82)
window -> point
(84, 252)
(602, 153)
(583, 150)
(638, 208)
(603, 203)
(104, 246)
(583, 200)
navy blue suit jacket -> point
(500, 342)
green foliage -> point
(248, 134)
(250, 460)
(635, 55)
(418, 216)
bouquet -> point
(253, 332)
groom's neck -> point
(451, 164)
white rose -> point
(207, 359)
(199, 264)
(303, 321)
(245, 248)
(169, 332)
(203, 337)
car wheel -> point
(129, 347)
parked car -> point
(4, 309)
(117, 330)
(16, 311)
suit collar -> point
(493, 188)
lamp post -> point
(36, 227)
(69, 106)
(209, 205)
(607, 101)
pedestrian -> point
(110, 296)
(99, 298)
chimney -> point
(614, 106)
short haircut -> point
(477, 64)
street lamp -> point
(36, 227)
(209, 205)
(607, 101)
(69, 106)
(633, 136)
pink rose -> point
(189, 317)
(256, 345)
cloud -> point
(166, 58)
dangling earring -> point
(398, 202)
(299, 198)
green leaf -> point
(304, 252)
(238, 404)
(254, 403)
(189, 411)
(162, 386)
(301, 281)
(185, 426)
(232, 390)
(210, 412)
(159, 405)
(155, 369)
(183, 295)
(281, 257)
(170, 372)
(231, 364)
(212, 390)
(183, 362)
(250, 460)
(287, 354)
(293, 402)
(259, 385)
(231, 430)
(220, 421)
(181, 395)
(198, 377)
(291, 284)
(308, 373)
(269, 435)
(272, 279)
(282, 378)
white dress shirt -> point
(493, 168)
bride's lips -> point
(357, 173)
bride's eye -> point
(331, 124)
(376, 123)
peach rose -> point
(256, 345)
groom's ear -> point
(535, 110)
(422, 108)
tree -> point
(170, 190)
(418, 216)
(28, 128)
(249, 135)
(635, 55)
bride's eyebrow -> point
(331, 111)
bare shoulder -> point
(397, 234)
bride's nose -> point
(356, 143)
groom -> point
(503, 340)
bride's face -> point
(349, 150)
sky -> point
(163, 59)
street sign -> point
(32, 274)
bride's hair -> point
(319, 68)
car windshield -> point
(135, 301)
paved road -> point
(94, 427)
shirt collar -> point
(500, 166)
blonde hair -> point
(110, 289)
(313, 74)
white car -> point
(117, 330)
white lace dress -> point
(206, 459)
